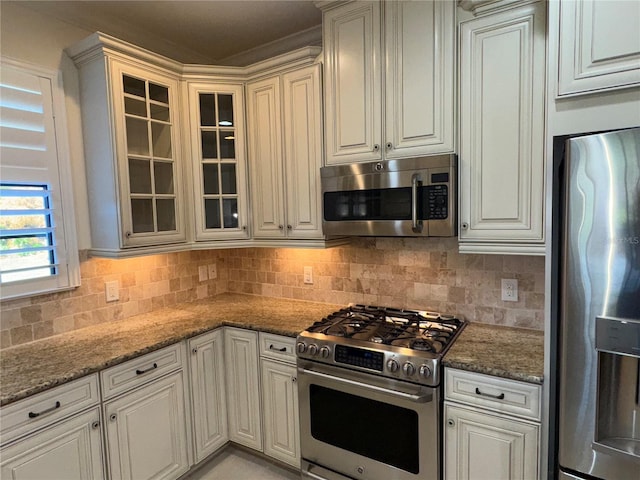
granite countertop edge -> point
(236, 307)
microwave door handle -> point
(417, 398)
(416, 225)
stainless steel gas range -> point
(369, 393)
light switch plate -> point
(308, 275)
(213, 271)
(202, 273)
(112, 291)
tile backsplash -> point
(427, 274)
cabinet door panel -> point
(208, 393)
(481, 446)
(353, 90)
(145, 106)
(599, 46)
(280, 404)
(265, 153)
(70, 450)
(146, 432)
(243, 391)
(502, 126)
(419, 48)
(303, 151)
(219, 161)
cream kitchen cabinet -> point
(599, 46)
(389, 79)
(146, 416)
(243, 387)
(208, 393)
(501, 161)
(280, 398)
(492, 428)
(54, 434)
(133, 153)
(216, 114)
(285, 151)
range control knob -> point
(313, 349)
(302, 347)
(408, 369)
(325, 352)
(392, 366)
(425, 371)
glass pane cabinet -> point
(131, 119)
(218, 154)
(151, 165)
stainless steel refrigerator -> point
(598, 308)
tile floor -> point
(235, 464)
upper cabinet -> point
(501, 161)
(285, 148)
(132, 149)
(599, 46)
(409, 109)
(216, 117)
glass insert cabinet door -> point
(218, 153)
(149, 158)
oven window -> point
(377, 430)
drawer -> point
(43, 409)
(493, 393)
(128, 375)
(278, 347)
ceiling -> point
(221, 32)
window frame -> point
(68, 276)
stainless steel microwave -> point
(406, 198)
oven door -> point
(366, 427)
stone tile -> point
(31, 314)
(20, 335)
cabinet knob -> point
(294, 379)
(389, 145)
(464, 225)
(127, 234)
(376, 147)
(244, 227)
(280, 227)
(289, 227)
(113, 417)
(451, 423)
(95, 424)
(194, 351)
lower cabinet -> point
(492, 428)
(146, 416)
(483, 446)
(70, 450)
(280, 399)
(243, 387)
(208, 393)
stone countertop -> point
(514, 353)
(34, 367)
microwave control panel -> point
(437, 202)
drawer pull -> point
(48, 410)
(141, 372)
(283, 349)
(497, 397)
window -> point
(38, 252)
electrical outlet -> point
(111, 291)
(213, 271)
(308, 275)
(202, 273)
(509, 290)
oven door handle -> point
(416, 398)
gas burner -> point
(379, 340)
